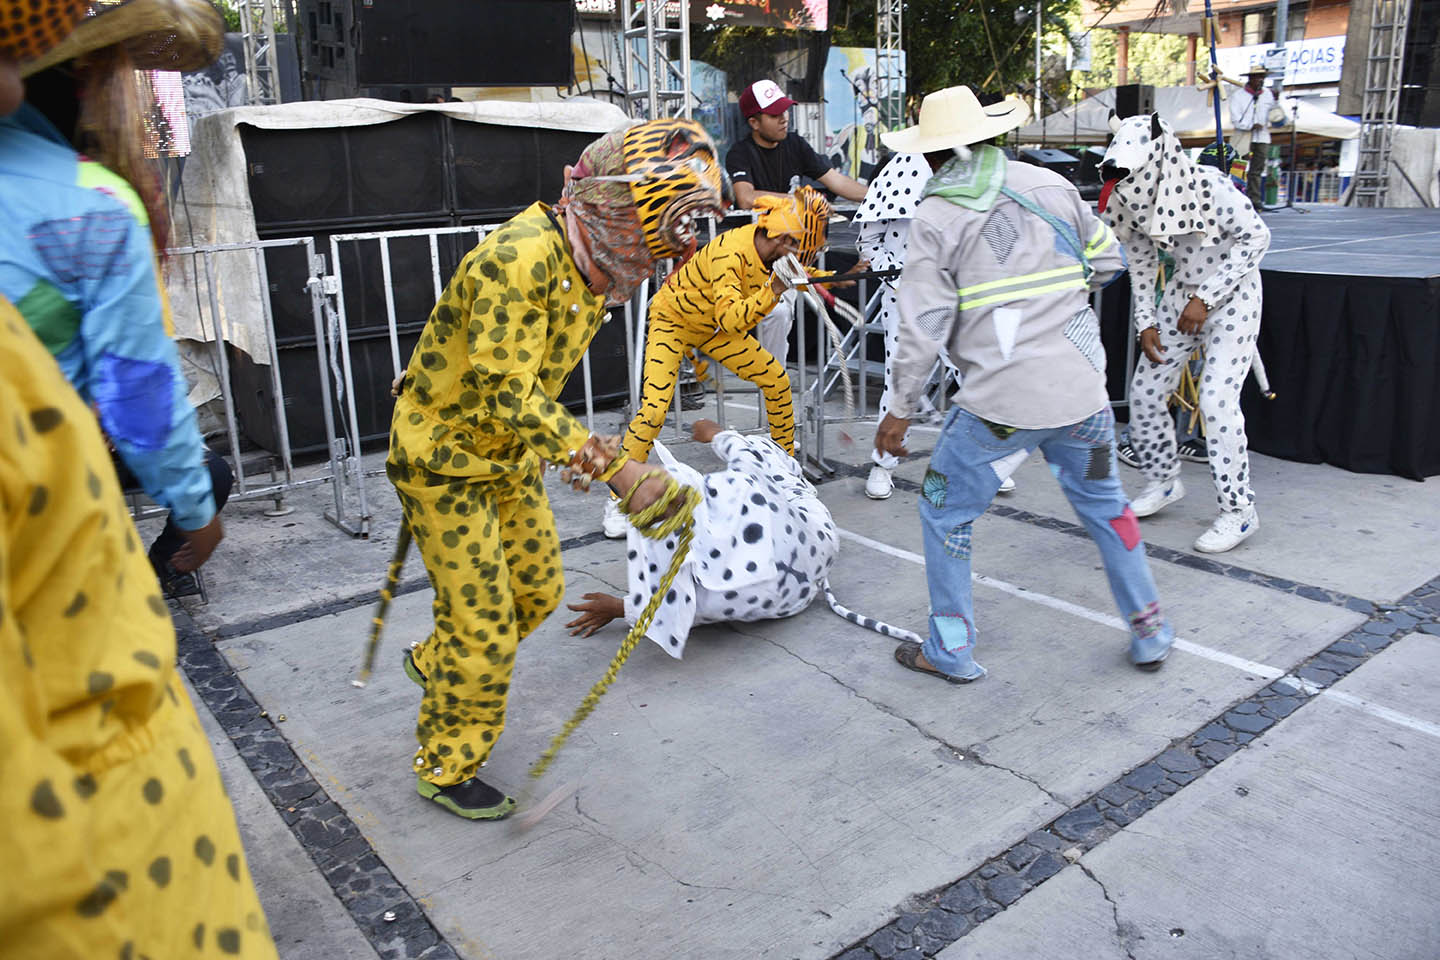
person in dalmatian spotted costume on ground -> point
(884, 221)
(763, 547)
(1159, 201)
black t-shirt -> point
(771, 170)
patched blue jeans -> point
(971, 459)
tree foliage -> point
(1155, 58)
(988, 45)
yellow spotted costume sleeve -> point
(118, 839)
(709, 306)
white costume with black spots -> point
(1196, 216)
(763, 546)
(884, 220)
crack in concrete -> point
(1121, 935)
(891, 712)
(619, 590)
(635, 858)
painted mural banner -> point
(786, 14)
(856, 98)
(1316, 60)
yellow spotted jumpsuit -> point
(474, 419)
(118, 837)
(710, 305)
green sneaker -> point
(413, 672)
(472, 799)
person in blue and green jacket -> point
(79, 262)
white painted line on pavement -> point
(1209, 653)
(1383, 713)
(1075, 610)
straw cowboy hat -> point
(158, 34)
(952, 118)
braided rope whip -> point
(650, 522)
(387, 594)
(789, 269)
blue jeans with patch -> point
(971, 459)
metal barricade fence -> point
(350, 485)
(325, 288)
(218, 335)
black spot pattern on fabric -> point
(46, 419)
(104, 893)
(160, 871)
(44, 801)
(752, 533)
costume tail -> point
(879, 626)
(1262, 379)
(387, 594)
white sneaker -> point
(615, 523)
(1007, 485)
(879, 485)
(1229, 530)
(1157, 494)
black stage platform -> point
(1351, 339)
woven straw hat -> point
(158, 34)
(953, 117)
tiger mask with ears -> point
(675, 179)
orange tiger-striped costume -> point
(710, 305)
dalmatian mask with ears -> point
(1152, 188)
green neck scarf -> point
(973, 183)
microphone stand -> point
(1294, 129)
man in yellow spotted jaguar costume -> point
(714, 302)
(476, 415)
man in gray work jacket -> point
(1001, 258)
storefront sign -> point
(1316, 60)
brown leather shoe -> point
(906, 655)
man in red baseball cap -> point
(767, 160)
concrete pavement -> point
(788, 791)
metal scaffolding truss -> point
(1383, 65)
(257, 33)
(655, 47)
(890, 61)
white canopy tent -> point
(1189, 111)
